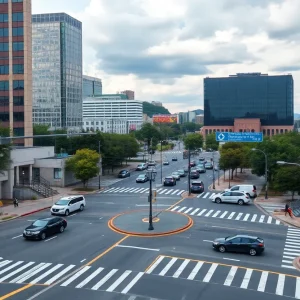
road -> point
(89, 261)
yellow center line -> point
(176, 203)
(25, 287)
(106, 251)
(154, 261)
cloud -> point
(164, 49)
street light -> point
(280, 162)
(266, 169)
(151, 175)
(213, 163)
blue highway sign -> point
(239, 136)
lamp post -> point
(99, 185)
(266, 169)
(280, 162)
(213, 163)
(189, 173)
(161, 163)
(151, 174)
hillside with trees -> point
(151, 109)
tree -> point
(84, 165)
(148, 132)
(40, 129)
(193, 141)
(210, 142)
(287, 179)
(4, 157)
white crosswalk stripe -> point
(227, 275)
(291, 248)
(235, 216)
(269, 207)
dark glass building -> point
(91, 86)
(250, 96)
(57, 70)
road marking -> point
(36, 280)
(195, 270)
(154, 264)
(167, 267)
(104, 279)
(72, 215)
(230, 276)
(101, 218)
(107, 250)
(134, 247)
(25, 287)
(51, 238)
(153, 204)
(231, 259)
(89, 278)
(246, 279)
(15, 237)
(16, 271)
(181, 268)
(75, 276)
(207, 241)
(83, 260)
(210, 272)
(131, 284)
(119, 281)
(64, 271)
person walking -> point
(286, 209)
(16, 202)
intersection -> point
(91, 261)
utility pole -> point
(189, 173)
(99, 186)
(161, 162)
(151, 149)
(213, 163)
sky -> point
(162, 49)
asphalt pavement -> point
(90, 261)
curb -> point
(171, 232)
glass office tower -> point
(57, 70)
(91, 86)
(249, 96)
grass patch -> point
(83, 189)
(6, 218)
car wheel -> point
(81, 207)
(67, 212)
(252, 252)
(218, 200)
(43, 235)
(241, 202)
(222, 249)
(61, 229)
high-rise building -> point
(57, 70)
(91, 86)
(249, 102)
(16, 68)
(129, 94)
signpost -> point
(239, 137)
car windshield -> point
(168, 178)
(123, 172)
(229, 238)
(180, 171)
(62, 202)
(141, 176)
(196, 183)
(175, 173)
(40, 223)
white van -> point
(249, 189)
(67, 205)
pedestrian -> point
(286, 209)
(16, 202)
(290, 212)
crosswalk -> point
(227, 275)
(271, 207)
(139, 190)
(236, 216)
(291, 247)
(110, 280)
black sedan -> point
(240, 243)
(123, 174)
(42, 228)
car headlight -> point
(35, 232)
(216, 243)
(24, 231)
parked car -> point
(151, 163)
(166, 163)
(200, 168)
(197, 186)
(169, 180)
(174, 158)
(232, 197)
(176, 175)
(41, 228)
(67, 205)
(249, 189)
(181, 173)
(141, 167)
(123, 174)
(194, 175)
(208, 165)
(142, 178)
(240, 243)
(192, 163)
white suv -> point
(232, 197)
(67, 205)
(249, 189)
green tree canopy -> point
(148, 132)
(287, 178)
(84, 165)
(210, 142)
(193, 141)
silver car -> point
(176, 175)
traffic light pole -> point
(150, 205)
(189, 173)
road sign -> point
(239, 136)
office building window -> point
(18, 116)
(18, 31)
(18, 131)
(4, 100)
(17, 17)
(18, 46)
(18, 85)
(3, 18)
(4, 116)
(57, 173)
(4, 1)
(4, 85)
(18, 100)
(3, 32)
(16, 1)
(18, 69)
(4, 47)
(4, 69)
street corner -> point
(135, 223)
